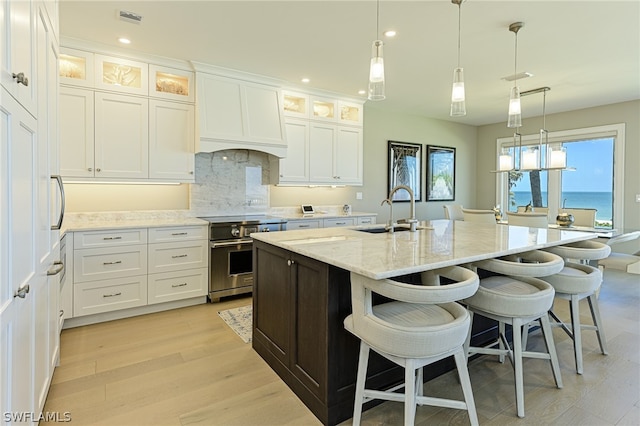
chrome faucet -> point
(413, 223)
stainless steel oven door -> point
(231, 268)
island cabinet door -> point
(271, 301)
(308, 360)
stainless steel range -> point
(230, 253)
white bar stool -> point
(577, 281)
(421, 326)
(516, 297)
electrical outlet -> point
(359, 196)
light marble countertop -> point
(445, 243)
(82, 223)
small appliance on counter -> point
(307, 210)
(346, 209)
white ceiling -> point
(587, 52)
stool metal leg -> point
(597, 321)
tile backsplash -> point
(228, 182)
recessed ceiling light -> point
(389, 33)
(362, 92)
(124, 40)
(305, 80)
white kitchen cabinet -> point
(119, 269)
(178, 263)
(348, 155)
(171, 84)
(18, 51)
(77, 144)
(338, 222)
(235, 113)
(76, 67)
(121, 75)
(97, 129)
(121, 136)
(321, 140)
(366, 220)
(304, 224)
(171, 141)
(294, 168)
(325, 141)
(96, 297)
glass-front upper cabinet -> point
(323, 109)
(295, 104)
(171, 83)
(349, 113)
(76, 67)
(121, 75)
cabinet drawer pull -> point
(303, 226)
(179, 285)
(179, 233)
(112, 238)
(112, 295)
(112, 263)
(341, 223)
(178, 256)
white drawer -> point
(104, 263)
(164, 257)
(178, 285)
(120, 237)
(303, 224)
(181, 233)
(366, 220)
(111, 295)
(347, 221)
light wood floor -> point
(186, 367)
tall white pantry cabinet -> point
(29, 206)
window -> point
(597, 182)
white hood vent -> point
(235, 113)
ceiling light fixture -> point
(390, 33)
(124, 40)
(515, 112)
(305, 80)
(458, 107)
(530, 156)
(376, 70)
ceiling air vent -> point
(518, 76)
(130, 17)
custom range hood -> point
(238, 111)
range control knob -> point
(235, 231)
(265, 229)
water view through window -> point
(589, 186)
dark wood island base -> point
(299, 306)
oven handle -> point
(230, 243)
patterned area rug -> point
(240, 321)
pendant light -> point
(376, 70)
(515, 115)
(458, 107)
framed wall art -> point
(441, 173)
(405, 168)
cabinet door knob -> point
(98, 170)
(290, 262)
(191, 172)
(21, 79)
(90, 169)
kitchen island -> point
(302, 294)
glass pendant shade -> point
(376, 73)
(515, 117)
(458, 107)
